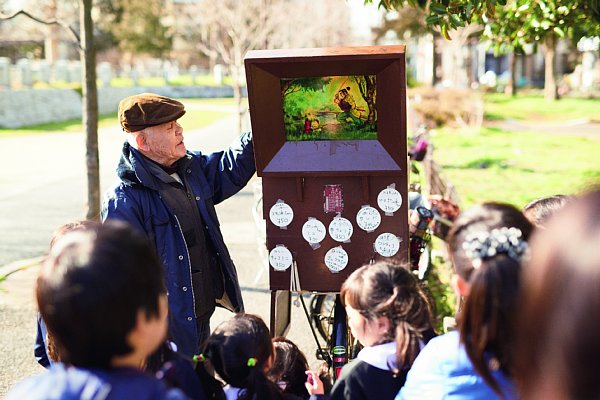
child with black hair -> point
(241, 352)
(539, 211)
(101, 293)
(390, 315)
(290, 368)
(44, 350)
(487, 244)
(176, 370)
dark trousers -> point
(203, 331)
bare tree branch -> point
(72, 32)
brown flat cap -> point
(148, 109)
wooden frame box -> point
(308, 176)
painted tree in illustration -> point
(366, 85)
(294, 85)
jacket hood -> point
(132, 169)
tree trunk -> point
(237, 95)
(234, 69)
(90, 109)
(435, 64)
(366, 85)
(370, 98)
(51, 41)
(550, 89)
(511, 88)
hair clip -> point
(251, 362)
(199, 358)
(479, 246)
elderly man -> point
(169, 194)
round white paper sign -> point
(389, 200)
(387, 244)
(340, 229)
(368, 218)
(336, 259)
(280, 258)
(281, 214)
(313, 231)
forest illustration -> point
(330, 108)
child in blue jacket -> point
(101, 293)
(487, 244)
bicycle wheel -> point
(322, 307)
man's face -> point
(164, 143)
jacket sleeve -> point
(230, 170)
(39, 347)
(118, 205)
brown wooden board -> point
(281, 309)
(313, 273)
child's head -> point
(58, 233)
(487, 244)
(62, 230)
(241, 351)
(289, 367)
(540, 210)
(384, 303)
(558, 348)
(101, 293)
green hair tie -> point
(251, 362)
(199, 358)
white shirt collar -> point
(381, 356)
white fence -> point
(36, 106)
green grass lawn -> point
(516, 167)
(181, 80)
(193, 119)
(535, 108)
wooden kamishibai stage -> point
(329, 131)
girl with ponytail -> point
(390, 316)
(487, 245)
(240, 351)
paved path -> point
(577, 127)
(47, 190)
